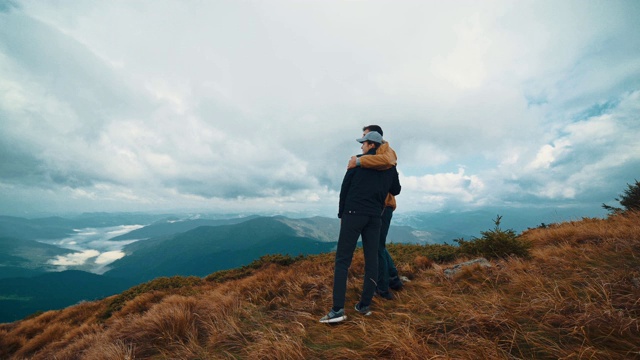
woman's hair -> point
(375, 144)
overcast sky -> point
(248, 106)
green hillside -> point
(21, 257)
(211, 248)
(20, 297)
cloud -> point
(8, 5)
(585, 155)
(74, 259)
(438, 190)
(109, 257)
(549, 153)
(246, 106)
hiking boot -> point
(395, 283)
(334, 317)
(384, 294)
(364, 310)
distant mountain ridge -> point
(448, 225)
(56, 227)
(206, 249)
(169, 226)
(45, 228)
(320, 228)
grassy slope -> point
(577, 297)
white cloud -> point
(439, 188)
(549, 153)
(232, 105)
(109, 257)
(123, 230)
(464, 65)
(74, 259)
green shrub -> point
(629, 199)
(496, 243)
(441, 253)
(284, 260)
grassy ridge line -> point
(576, 296)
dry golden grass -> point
(576, 297)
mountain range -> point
(206, 249)
(156, 245)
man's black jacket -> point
(364, 191)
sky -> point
(254, 106)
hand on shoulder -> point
(352, 162)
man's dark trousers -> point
(351, 227)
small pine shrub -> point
(496, 243)
(441, 253)
(629, 199)
(279, 259)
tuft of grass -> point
(160, 284)
(244, 271)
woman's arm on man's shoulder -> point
(384, 159)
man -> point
(362, 197)
(384, 159)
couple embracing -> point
(367, 202)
